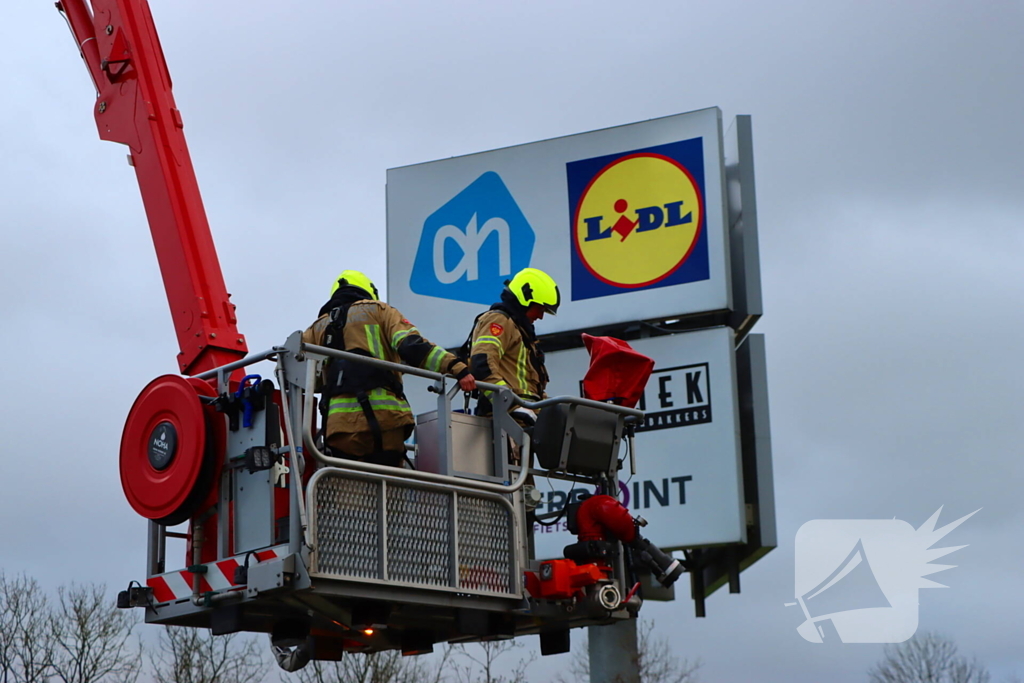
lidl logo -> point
(638, 219)
(472, 244)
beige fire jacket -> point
(383, 332)
(499, 350)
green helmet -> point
(532, 286)
(355, 279)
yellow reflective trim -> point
(380, 399)
(397, 337)
(488, 393)
(490, 340)
(434, 359)
(392, 406)
(373, 341)
(524, 358)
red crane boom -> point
(135, 107)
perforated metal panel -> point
(412, 533)
(348, 528)
(485, 538)
(419, 536)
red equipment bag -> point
(617, 373)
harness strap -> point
(466, 349)
(371, 419)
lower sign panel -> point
(689, 479)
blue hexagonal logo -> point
(472, 244)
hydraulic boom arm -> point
(135, 107)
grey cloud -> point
(888, 152)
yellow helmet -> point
(532, 286)
(355, 279)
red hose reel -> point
(169, 462)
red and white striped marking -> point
(219, 576)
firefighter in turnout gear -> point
(503, 346)
(367, 416)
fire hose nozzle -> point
(666, 569)
(604, 518)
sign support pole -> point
(614, 656)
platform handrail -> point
(358, 465)
(519, 481)
(269, 354)
(251, 359)
(310, 443)
(427, 374)
(588, 402)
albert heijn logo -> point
(472, 244)
(638, 219)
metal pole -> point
(614, 657)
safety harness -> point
(344, 376)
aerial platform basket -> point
(344, 555)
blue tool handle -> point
(246, 403)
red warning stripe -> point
(161, 591)
(220, 576)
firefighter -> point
(503, 346)
(367, 416)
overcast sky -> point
(889, 165)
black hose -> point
(561, 513)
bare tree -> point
(192, 655)
(379, 667)
(656, 663)
(477, 663)
(25, 642)
(92, 638)
(927, 658)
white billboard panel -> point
(689, 480)
(630, 221)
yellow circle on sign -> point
(638, 220)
